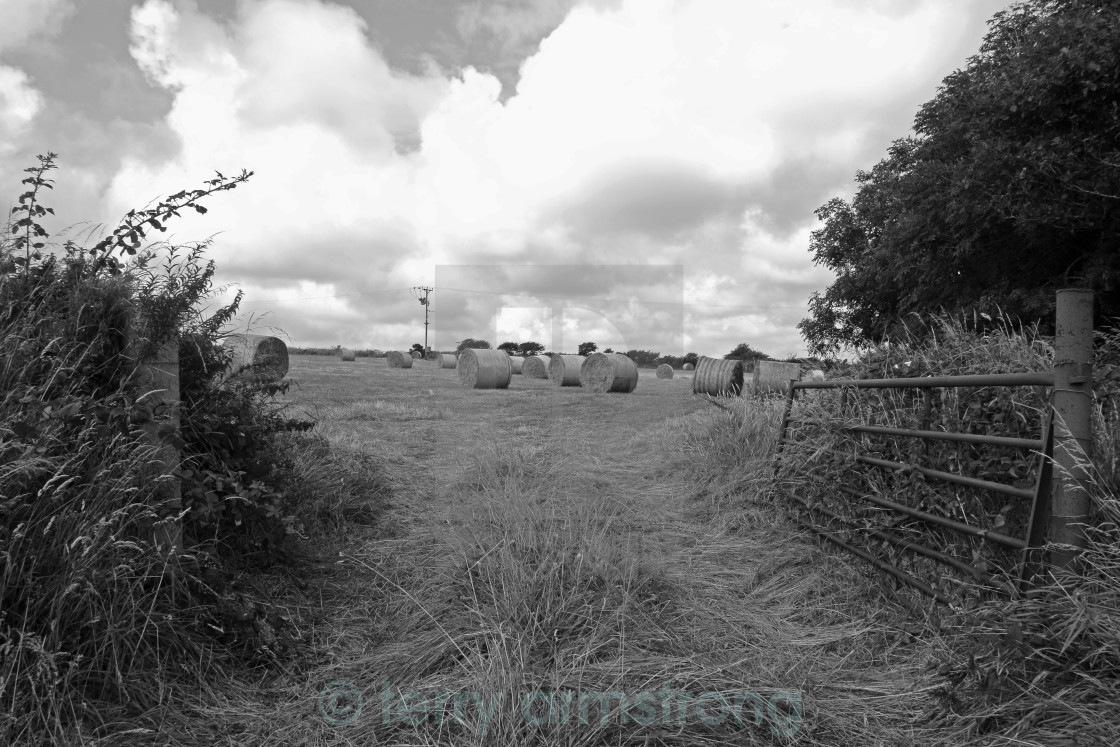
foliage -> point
(643, 358)
(530, 348)
(586, 348)
(1015, 163)
(510, 348)
(90, 610)
(470, 342)
(416, 348)
(743, 352)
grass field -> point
(551, 566)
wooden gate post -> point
(1073, 397)
(159, 385)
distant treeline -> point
(337, 350)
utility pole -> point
(427, 307)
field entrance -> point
(553, 566)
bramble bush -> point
(98, 618)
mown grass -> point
(555, 549)
(553, 544)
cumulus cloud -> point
(19, 103)
(697, 135)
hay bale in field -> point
(563, 370)
(346, 354)
(688, 367)
(256, 357)
(517, 362)
(447, 360)
(608, 372)
(397, 359)
(416, 355)
(484, 369)
(814, 375)
(718, 376)
(773, 377)
(535, 367)
(664, 371)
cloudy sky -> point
(638, 173)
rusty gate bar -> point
(1032, 553)
(894, 539)
(984, 534)
(936, 474)
(901, 575)
(968, 438)
(1030, 378)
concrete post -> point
(1073, 397)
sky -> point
(641, 174)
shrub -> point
(92, 606)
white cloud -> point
(698, 132)
(24, 20)
(19, 103)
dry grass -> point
(541, 543)
(520, 558)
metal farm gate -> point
(1041, 504)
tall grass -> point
(102, 621)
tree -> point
(470, 342)
(587, 348)
(510, 348)
(417, 348)
(643, 358)
(742, 352)
(609, 350)
(1009, 189)
(530, 348)
(692, 358)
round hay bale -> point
(484, 369)
(397, 359)
(608, 372)
(256, 357)
(664, 371)
(416, 355)
(773, 377)
(535, 367)
(377, 353)
(517, 362)
(814, 375)
(718, 376)
(346, 354)
(688, 367)
(447, 360)
(563, 370)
